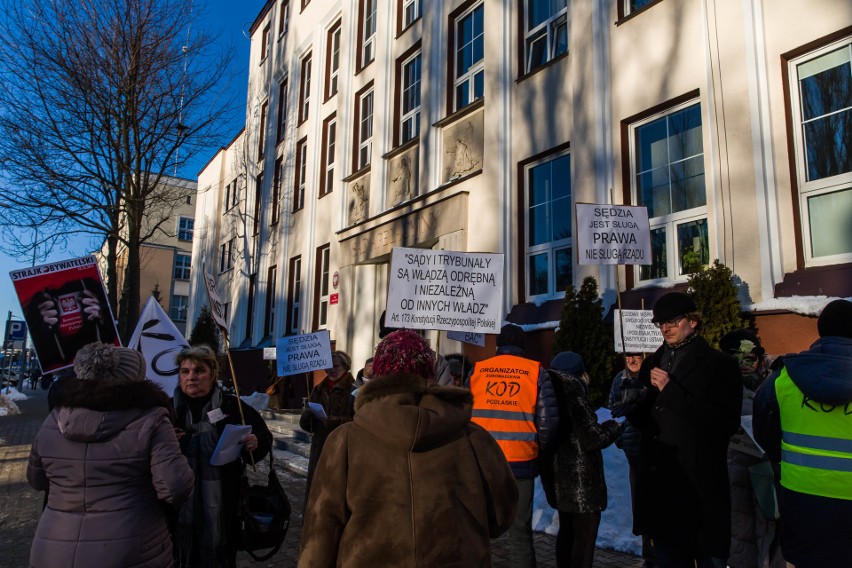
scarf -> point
(200, 519)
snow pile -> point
(615, 531)
(804, 305)
(7, 402)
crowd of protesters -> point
(422, 459)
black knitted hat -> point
(836, 319)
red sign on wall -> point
(332, 299)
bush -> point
(205, 331)
(715, 294)
(583, 331)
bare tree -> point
(101, 100)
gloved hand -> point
(629, 398)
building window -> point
(265, 43)
(271, 300)
(321, 296)
(411, 11)
(546, 31)
(250, 305)
(284, 18)
(469, 64)
(294, 293)
(305, 3)
(329, 139)
(232, 196)
(630, 6)
(185, 227)
(301, 174)
(227, 250)
(410, 116)
(281, 127)
(367, 33)
(549, 241)
(822, 118)
(258, 203)
(277, 180)
(332, 62)
(178, 307)
(305, 89)
(261, 131)
(364, 128)
(668, 178)
(183, 264)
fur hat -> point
(836, 319)
(568, 362)
(100, 361)
(404, 351)
(512, 335)
(671, 305)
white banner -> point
(439, 289)
(303, 353)
(466, 337)
(613, 234)
(640, 335)
(215, 301)
(159, 340)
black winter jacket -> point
(630, 437)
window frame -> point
(305, 86)
(261, 131)
(231, 196)
(548, 27)
(182, 266)
(669, 222)
(258, 203)
(366, 42)
(332, 59)
(412, 115)
(360, 143)
(173, 307)
(322, 289)
(271, 301)
(550, 247)
(277, 182)
(281, 126)
(265, 43)
(185, 233)
(294, 295)
(417, 11)
(226, 255)
(329, 144)
(301, 174)
(469, 76)
(806, 189)
(283, 18)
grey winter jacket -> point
(110, 458)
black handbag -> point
(264, 515)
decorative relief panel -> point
(403, 176)
(463, 147)
(358, 203)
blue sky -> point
(230, 19)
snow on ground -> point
(7, 402)
(615, 531)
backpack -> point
(263, 512)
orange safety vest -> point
(504, 390)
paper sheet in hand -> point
(318, 410)
(229, 446)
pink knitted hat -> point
(404, 351)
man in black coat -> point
(687, 409)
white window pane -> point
(831, 210)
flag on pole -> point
(159, 340)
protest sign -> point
(158, 340)
(303, 353)
(640, 335)
(65, 306)
(466, 337)
(613, 234)
(452, 291)
(216, 309)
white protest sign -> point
(613, 234)
(452, 291)
(269, 353)
(158, 340)
(466, 337)
(303, 353)
(640, 335)
(215, 301)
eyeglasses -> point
(669, 324)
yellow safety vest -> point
(504, 390)
(816, 443)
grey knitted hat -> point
(99, 361)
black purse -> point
(264, 515)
